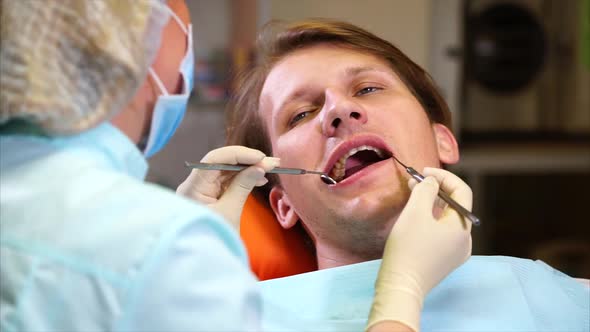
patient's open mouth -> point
(355, 160)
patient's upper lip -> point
(354, 142)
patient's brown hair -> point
(277, 40)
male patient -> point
(331, 97)
(326, 104)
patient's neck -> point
(329, 256)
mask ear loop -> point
(158, 82)
(178, 20)
(151, 70)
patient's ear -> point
(281, 206)
(448, 149)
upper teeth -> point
(339, 169)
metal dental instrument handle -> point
(277, 170)
(444, 196)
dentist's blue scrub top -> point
(86, 245)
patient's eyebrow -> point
(354, 71)
(295, 95)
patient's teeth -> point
(338, 170)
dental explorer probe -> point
(277, 170)
(443, 195)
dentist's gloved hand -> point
(206, 186)
(421, 250)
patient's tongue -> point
(353, 165)
(360, 160)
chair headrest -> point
(274, 252)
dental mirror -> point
(327, 180)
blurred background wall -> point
(516, 74)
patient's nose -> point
(341, 113)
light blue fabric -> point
(487, 293)
(85, 245)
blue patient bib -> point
(487, 293)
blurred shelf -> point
(220, 103)
(524, 158)
(197, 105)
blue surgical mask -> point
(169, 109)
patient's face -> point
(344, 112)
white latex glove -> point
(421, 249)
(205, 186)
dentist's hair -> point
(278, 40)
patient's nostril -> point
(355, 115)
(336, 122)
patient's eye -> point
(367, 90)
(300, 116)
